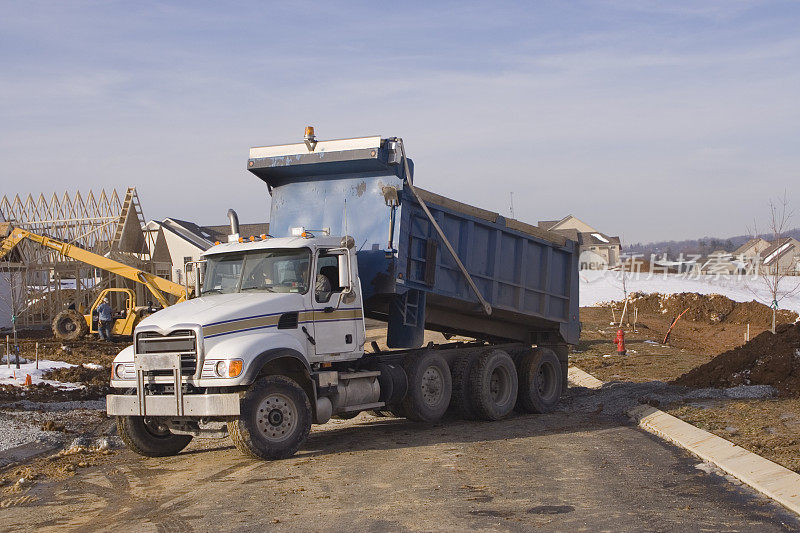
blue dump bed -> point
(358, 187)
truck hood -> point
(208, 310)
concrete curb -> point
(578, 377)
(768, 478)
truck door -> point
(334, 323)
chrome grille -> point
(182, 341)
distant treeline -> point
(702, 246)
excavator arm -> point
(10, 238)
(156, 285)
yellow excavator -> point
(69, 324)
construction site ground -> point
(767, 426)
(583, 467)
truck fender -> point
(284, 362)
(262, 359)
(125, 356)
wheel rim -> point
(500, 385)
(545, 381)
(67, 326)
(276, 417)
(432, 385)
(155, 428)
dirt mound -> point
(87, 350)
(80, 374)
(95, 386)
(766, 360)
(710, 308)
(44, 392)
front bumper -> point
(169, 405)
(177, 404)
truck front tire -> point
(146, 436)
(274, 420)
(540, 381)
(429, 388)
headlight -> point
(222, 368)
(123, 371)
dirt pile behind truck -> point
(766, 360)
(710, 309)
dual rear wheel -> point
(485, 386)
(489, 386)
(541, 381)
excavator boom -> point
(157, 286)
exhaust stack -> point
(234, 218)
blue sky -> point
(650, 120)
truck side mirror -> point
(199, 273)
(344, 272)
(199, 278)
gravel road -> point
(570, 470)
(21, 421)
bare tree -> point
(624, 281)
(771, 275)
(12, 276)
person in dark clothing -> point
(105, 320)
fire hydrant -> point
(620, 342)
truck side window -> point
(327, 279)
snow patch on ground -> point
(17, 432)
(617, 397)
(598, 287)
(11, 375)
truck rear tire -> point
(493, 385)
(429, 388)
(540, 381)
(461, 402)
(274, 420)
(147, 437)
(398, 411)
(69, 325)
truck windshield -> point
(263, 270)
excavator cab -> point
(70, 325)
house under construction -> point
(107, 224)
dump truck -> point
(70, 324)
(276, 340)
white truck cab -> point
(291, 304)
